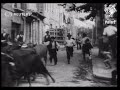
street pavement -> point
(99, 68)
(64, 73)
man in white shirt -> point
(111, 32)
(69, 43)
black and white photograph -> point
(59, 45)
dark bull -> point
(29, 63)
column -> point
(31, 32)
(34, 32)
(38, 33)
(24, 38)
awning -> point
(35, 15)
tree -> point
(95, 9)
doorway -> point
(15, 30)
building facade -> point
(11, 22)
(54, 21)
(14, 20)
(34, 24)
(41, 18)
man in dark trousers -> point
(86, 46)
(47, 40)
(69, 43)
(53, 50)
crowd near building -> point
(33, 19)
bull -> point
(7, 70)
(41, 50)
(28, 63)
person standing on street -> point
(111, 32)
(86, 46)
(78, 41)
(69, 43)
(47, 40)
(19, 38)
(53, 50)
(4, 38)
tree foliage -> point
(93, 8)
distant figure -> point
(5, 36)
(111, 32)
(78, 41)
(19, 38)
(47, 40)
(86, 46)
(53, 50)
(69, 43)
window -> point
(22, 6)
(14, 5)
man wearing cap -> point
(69, 43)
(111, 32)
(53, 50)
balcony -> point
(19, 7)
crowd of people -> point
(83, 42)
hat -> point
(84, 34)
(69, 35)
(47, 31)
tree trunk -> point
(100, 29)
